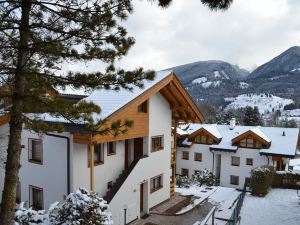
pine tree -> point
(252, 117)
(36, 37)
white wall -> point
(191, 164)
(3, 146)
(51, 175)
(157, 163)
(103, 173)
(243, 170)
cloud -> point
(249, 33)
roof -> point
(285, 145)
(110, 101)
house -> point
(231, 151)
(134, 171)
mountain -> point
(286, 63)
(279, 76)
(211, 80)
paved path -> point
(197, 214)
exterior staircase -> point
(120, 180)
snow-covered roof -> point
(110, 101)
(294, 162)
(211, 128)
(285, 145)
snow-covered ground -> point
(279, 207)
(222, 197)
(266, 103)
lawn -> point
(278, 207)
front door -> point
(138, 148)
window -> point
(156, 183)
(250, 143)
(98, 155)
(184, 172)
(198, 157)
(203, 139)
(157, 143)
(35, 151)
(36, 197)
(249, 161)
(185, 155)
(111, 148)
(235, 161)
(142, 108)
(234, 180)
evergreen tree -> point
(252, 117)
(36, 37)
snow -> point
(225, 75)
(295, 70)
(274, 135)
(294, 162)
(244, 85)
(291, 113)
(261, 134)
(217, 74)
(199, 80)
(279, 206)
(222, 197)
(265, 103)
(211, 83)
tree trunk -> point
(16, 122)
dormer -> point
(205, 135)
(254, 138)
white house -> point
(133, 172)
(231, 151)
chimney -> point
(232, 123)
(283, 133)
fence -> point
(235, 216)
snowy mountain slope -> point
(266, 103)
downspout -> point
(68, 159)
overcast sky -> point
(249, 34)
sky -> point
(248, 34)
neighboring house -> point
(231, 151)
(133, 172)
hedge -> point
(286, 180)
(261, 180)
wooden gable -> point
(182, 106)
(254, 136)
(204, 132)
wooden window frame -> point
(31, 197)
(88, 156)
(188, 172)
(188, 155)
(232, 160)
(162, 143)
(234, 176)
(30, 150)
(195, 158)
(255, 143)
(114, 147)
(143, 107)
(249, 164)
(158, 188)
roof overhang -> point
(276, 154)
(223, 149)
